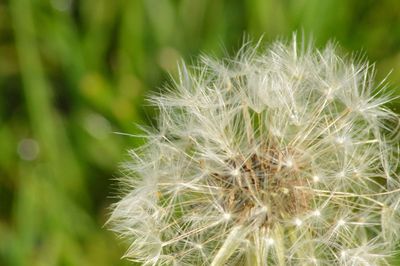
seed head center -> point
(264, 187)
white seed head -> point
(285, 156)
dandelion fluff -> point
(284, 156)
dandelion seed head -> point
(278, 156)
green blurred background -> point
(72, 73)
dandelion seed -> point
(227, 216)
(289, 163)
(341, 222)
(341, 140)
(235, 172)
(269, 241)
(316, 178)
(298, 222)
(250, 151)
(317, 213)
(341, 174)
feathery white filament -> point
(278, 157)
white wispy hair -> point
(281, 156)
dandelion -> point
(285, 156)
